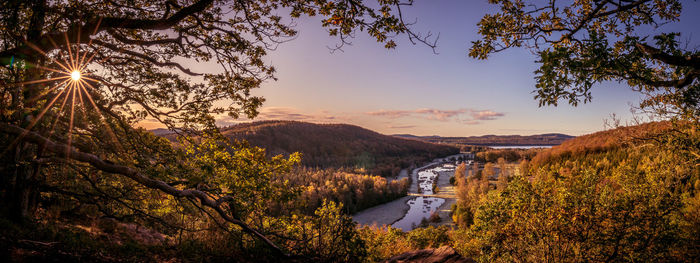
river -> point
(406, 213)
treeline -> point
(490, 140)
(338, 146)
(510, 155)
(355, 191)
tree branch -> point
(145, 57)
(99, 24)
(66, 151)
(681, 61)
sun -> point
(72, 85)
(75, 75)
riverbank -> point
(448, 192)
(384, 214)
(391, 212)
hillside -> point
(495, 140)
(601, 141)
(338, 145)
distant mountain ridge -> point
(338, 145)
(495, 140)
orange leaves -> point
(335, 20)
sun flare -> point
(75, 75)
(69, 88)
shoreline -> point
(393, 211)
(389, 213)
(449, 194)
(384, 214)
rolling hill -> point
(495, 140)
(602, 141)
(338, 145)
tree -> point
(623, 205)
(503, 174)
(77, 76)
(581, 43)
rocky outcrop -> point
(443, 254)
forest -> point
(82, 179)
(495, 140)
(573, 201)
(355, 191)
(338, 145)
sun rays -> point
(65, 81)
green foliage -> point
(385, 242)
(240, 171)
(327, 236)
(134, 57)
(355, 191)
(582, 43)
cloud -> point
(441, 115)
(486, 115)
(392, 114)
(282, 113)
(432, 114)
(465, 116)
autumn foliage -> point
(620, 195)
(338, 145)
(355, 191)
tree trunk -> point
(24, 190)
(21, 194)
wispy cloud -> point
(465, 116)
(486, 115)
(441, 115)
(283, 113)
(392, 114)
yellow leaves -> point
(335, 20)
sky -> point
(412, 90)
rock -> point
(431, 255)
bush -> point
(434, 217)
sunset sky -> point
(412, 90)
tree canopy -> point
(78, 76)
(582, 43)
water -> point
(421, 207)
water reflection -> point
(422, 206)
